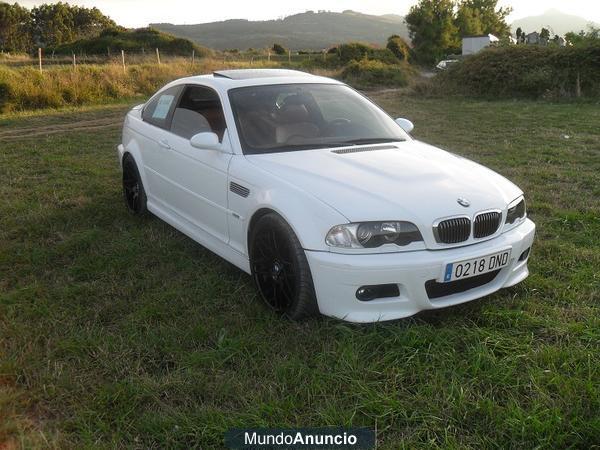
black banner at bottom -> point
(299, 438)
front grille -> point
(486, 224)
(437, 290)
(452, 231)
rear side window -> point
(199, 110)
(159, 110)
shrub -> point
(526, 71)
(369, 73)
(132, 41)
(355, 51)
(278, 49)
(398, 47)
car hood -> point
(408, 180)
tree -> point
(59, 23)
(278, 49)
(519, 34)
(592, 36)
(468, 21)
(545, 34)
(90, 22)
(431, 24)
(485, 16)
(398, 47)
(14, 28)
(436, 26)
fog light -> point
(368, 293)
(524, 255)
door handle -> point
(164, 144)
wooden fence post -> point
(40, 58)
(74, 62)
(193, 56)
(269, 56)
(157, 56)
(289, 56)
(123, 59)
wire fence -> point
(44, 60)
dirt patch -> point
(67, 127)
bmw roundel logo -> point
(463, 202)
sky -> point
(138, 13)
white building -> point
(474, 44)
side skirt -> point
(202, 237)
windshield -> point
(288, 117)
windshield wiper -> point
(372, 141)
(292, 147)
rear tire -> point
(280, 269)
(133, 188)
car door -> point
(153, 133)
(196, 179)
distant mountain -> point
(309, 30)
(557, 22)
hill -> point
(133, 41)
(556, 21)
(307, 30)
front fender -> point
(309, 217)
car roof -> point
(228, 79)
(244, 74)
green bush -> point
(398, 47)
(526, 71)
(355, 51)
(5, 95)
(132, 41)
(370, 73)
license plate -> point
(476, 266)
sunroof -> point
(244, 74)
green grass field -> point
(121, 332)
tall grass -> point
(25, 88)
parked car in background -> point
(446, 63)
(325, 200)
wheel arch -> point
(132, 150)
(261, 212)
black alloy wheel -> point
(133, 189)
(280, 269)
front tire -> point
(133, 188)
(280, 269)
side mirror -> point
(208, 141)
(405, 124)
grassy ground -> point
(116, 331)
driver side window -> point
(199, 110)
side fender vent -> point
(343, 151)
(238, 189)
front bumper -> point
(337, 277)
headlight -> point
(373, 234)
(516, 211)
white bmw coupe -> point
(325, 200)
